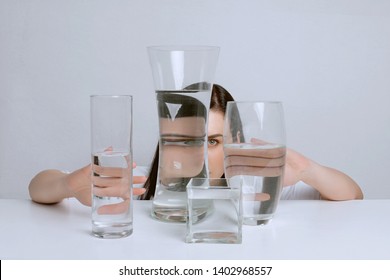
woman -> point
(52, 186)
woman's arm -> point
(332, 184)
(48, 187)
(52, 186)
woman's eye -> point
(213, 142)
(183, 143)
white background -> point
(328, 61)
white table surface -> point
(300, 230)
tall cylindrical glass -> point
(255, 151)
(111, 151)
(183, 78)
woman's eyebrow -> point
(214, 135)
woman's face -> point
(171, 154)
(215, 144)
(181, 136)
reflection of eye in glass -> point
(193, 142)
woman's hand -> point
(52, 186)
(114, 182)
(255, 161)
(330, 183)
(108, 181)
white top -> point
(301, 229)
(300, 191)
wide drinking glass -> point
(111, 141)
(183, 79)
(255, 149)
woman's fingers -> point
(115, 181)
(256, 196)
(256, 166)
(111, 171)
(113, 209)
(256, 152)
(231, 171)
(254, 161)
(116, 192)
(139, 179)
(139, 191)
(110, 192)
(121, 207)
(114, 186)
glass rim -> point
(170, 48)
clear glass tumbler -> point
(255, 150)
(111, 149)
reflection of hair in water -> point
(236, 125)
(202, 86)
(174, 106)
